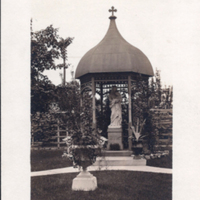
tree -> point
(44, 51)
(67, 115)
(68, 99)
(63, 44)
(158, 87)
(46, 48)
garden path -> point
(102, 168)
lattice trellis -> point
(86, 87)
(104, 89)
(128, 84)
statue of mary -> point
(116, 110)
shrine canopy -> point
(114, 55)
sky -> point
(152, 26)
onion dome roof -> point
(114, 54)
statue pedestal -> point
(115, 136)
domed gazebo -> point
(112, 62)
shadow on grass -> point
(112, 185)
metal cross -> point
(112, 10)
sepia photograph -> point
(101, 112)
(103, 108)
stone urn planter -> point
(137, 141)
(137, 148)
(84, 157)
(83, 150)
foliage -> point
(125, 120)
(67, 99)
(83, 156)
(151, 131)
(68, 96)
(46, 48)
(159, 127)
(163, 161)
(145, 96)
(42, 94)
(158, 92)
(42, 126)
(137, 138)
(44, 52)
(159, 97)
(84, 141)
(103, 118)
(136, 131)
(63, 44)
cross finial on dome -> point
(112, 10)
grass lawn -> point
(52, 159)
(112, 185)
(48, 159)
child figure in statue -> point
(116, 110)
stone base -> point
(114, 136)
(119, 161)
(84, 181)
(116, 153)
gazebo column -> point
(129, 113)
(101, 92)
(81, 99)
(147, 85)
(93, 104)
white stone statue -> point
(116, 110)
